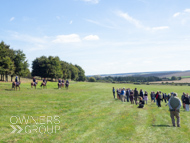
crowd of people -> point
(141, 98)
(134, 96)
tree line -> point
(125, 79)
(54, 68)
(12, 62)
(130, 79)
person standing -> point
(152, 95)
(168, 96)
(174, 108)
(132, 96)
(128, 94)
(165, 97)
(117, 93)
(182, 99)
(113, 90)
(135, 95)
(186, 101)
(141, 93)
(158, 98)
(146, 97)
(122, 95)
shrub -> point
(92, 79)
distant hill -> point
(160, 74)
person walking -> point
(113, 90)
(174, 108)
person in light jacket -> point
(174, 108)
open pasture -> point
(87, 112)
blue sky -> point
(102, 36)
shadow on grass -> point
(161, 126)
(9, 89)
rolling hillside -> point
(160, 74)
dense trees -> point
(127, 79)
(53, 67)
(12, 62)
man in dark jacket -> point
(158, 98)
(186, 101)
(136, 95)
(141, 93)
(182, 99)
(113, 90)
(127, 94)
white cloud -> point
(71, 22)
(137, 23)
(72, 38)
(130, 19)
(12, 18)
(160, 28)
(176, 14)
(182, 13)
(92, 1)
(91, 37)
(187, 10)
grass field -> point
(87, 112)
(185, 76)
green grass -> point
(88, 113)
(185, 77)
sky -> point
(102, 36)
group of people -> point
(132, 96)
(34, 81)
(61, 83)
(172, 100)
(185, 98)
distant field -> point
(183, 80)
(87, 112)
(185, 76)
